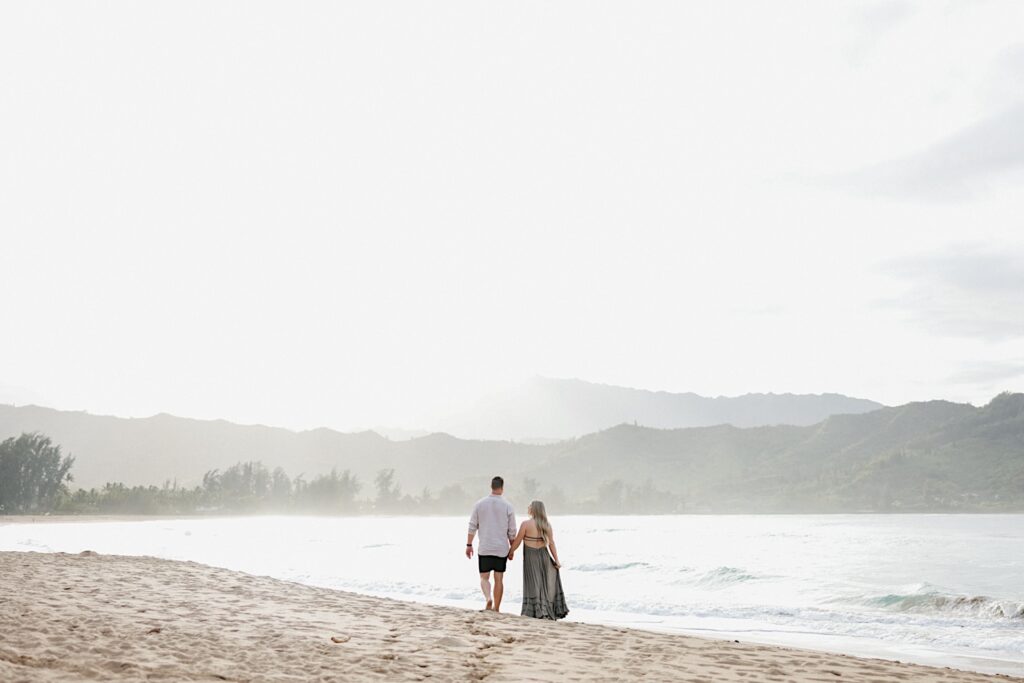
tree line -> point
(33, 474)
(35, 478)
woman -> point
(542, 586)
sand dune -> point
(99, 618)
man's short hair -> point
(497, 483)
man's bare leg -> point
(485, 586)
(499, 589)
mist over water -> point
(936, 589)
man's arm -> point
(517, 540)
(511, 523)
(474, 524)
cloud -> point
(879, 17)
(1010, 63)
(988, 372)
(955, 168)
(15, 395)
(969, 291)
(874, 22)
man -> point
(495, 519)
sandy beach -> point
(111, 618)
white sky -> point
(352, 214)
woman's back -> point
(533, 537)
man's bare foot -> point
(490, 606)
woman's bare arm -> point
(554, 550)
(517, 540)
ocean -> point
(943, 590)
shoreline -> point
(135, 517)
(840, 633)
(95, 617)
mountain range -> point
(932, 455)
(546, 409)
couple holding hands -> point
(494, 521)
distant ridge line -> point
(931, 455)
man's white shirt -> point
(494, 522)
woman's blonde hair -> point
(540, 518)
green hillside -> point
(920, 456)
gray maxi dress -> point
(542, 586)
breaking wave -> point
(935, 602)
(721, 577)
(602, 567)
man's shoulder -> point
(497, 501)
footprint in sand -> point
(451, 641)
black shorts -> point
(491, 563)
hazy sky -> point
(352, 214)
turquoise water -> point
(935, 589)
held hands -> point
(511, 553)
